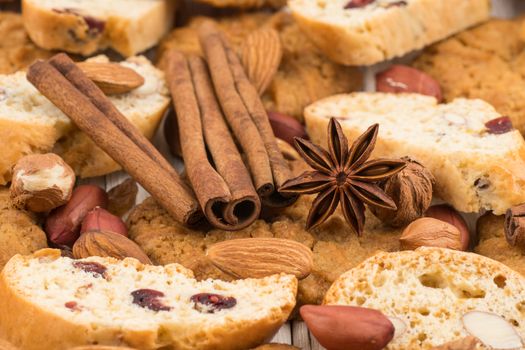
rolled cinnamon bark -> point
(226, 195)
(235, 111)
(153, 177)
(280, 170)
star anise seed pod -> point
(343, 175)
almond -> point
(261, 54)
(112, 78)
(286, 127)
(430, 232)
(492, 330)
(105, 243)
(259, 257)
(63, 224)
(122, 197)
(399, 78)
(100, 219)
(348, 327)
(448, 214)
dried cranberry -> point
(352, 4)
(499, 125)
(149, 298)
(95, 25)
(206, 302)
(98, 270)
(72, 305)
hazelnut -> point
(41, 182)
(446, 213)
(100, 219)
(411, 191)
(430, 232)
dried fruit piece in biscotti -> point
(150, 306)
(474, 168)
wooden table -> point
(295, 332)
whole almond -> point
(430, 232)
(261, 54)
(62, 226)
(448, 214)
(348, 327)
(112, 78)
(286, 127)
(105, 243)
(122, 197)
(100, 219)
(260, 257)
(399, 78)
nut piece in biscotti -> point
(30, 123)
(493, 244)
(105, 301)
(476, 166)
(17, 51)
(477, 63)
(357, 33)
(334, 248)
(304, 75)
(244, 4)
(127, 26)
(19, 232)
(41, 182)
(440, 294)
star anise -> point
(343, 176)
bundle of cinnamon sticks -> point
(220, 116)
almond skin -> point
(448, 214)
(430, 232)
(399, 78)
(100, 219)
(286, 128)
(105, 243)
(261, 55)
(63, 224)
(112, 78)
(348, 327)
(260, 257)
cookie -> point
(477, 63)
(19, 233)
(16, 49)
(304, 76)
(493, 244)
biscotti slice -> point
(245, 4)
(433, 292)
(87, 26)
(29, 123)
(357, 32)
(474, 168)
(50, 302)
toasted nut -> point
(112, 78)
(348, 327)
(100, 219)
(261, 55)
(448, 214)
(431, 232)
(105, 243)
(41, 182)
(259, 257)
(122, 197)
(492, 330)
(467, 343)
(286, 127)
(399, 78)
(63, 224)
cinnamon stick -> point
(235, 111)
(251, 98)
(108, 136)
(226, 195)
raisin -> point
(499, 125)
(98, 270)
(209, 303)
(148, 298)
(352, 4)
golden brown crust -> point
(304, 75)
(478, 64)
